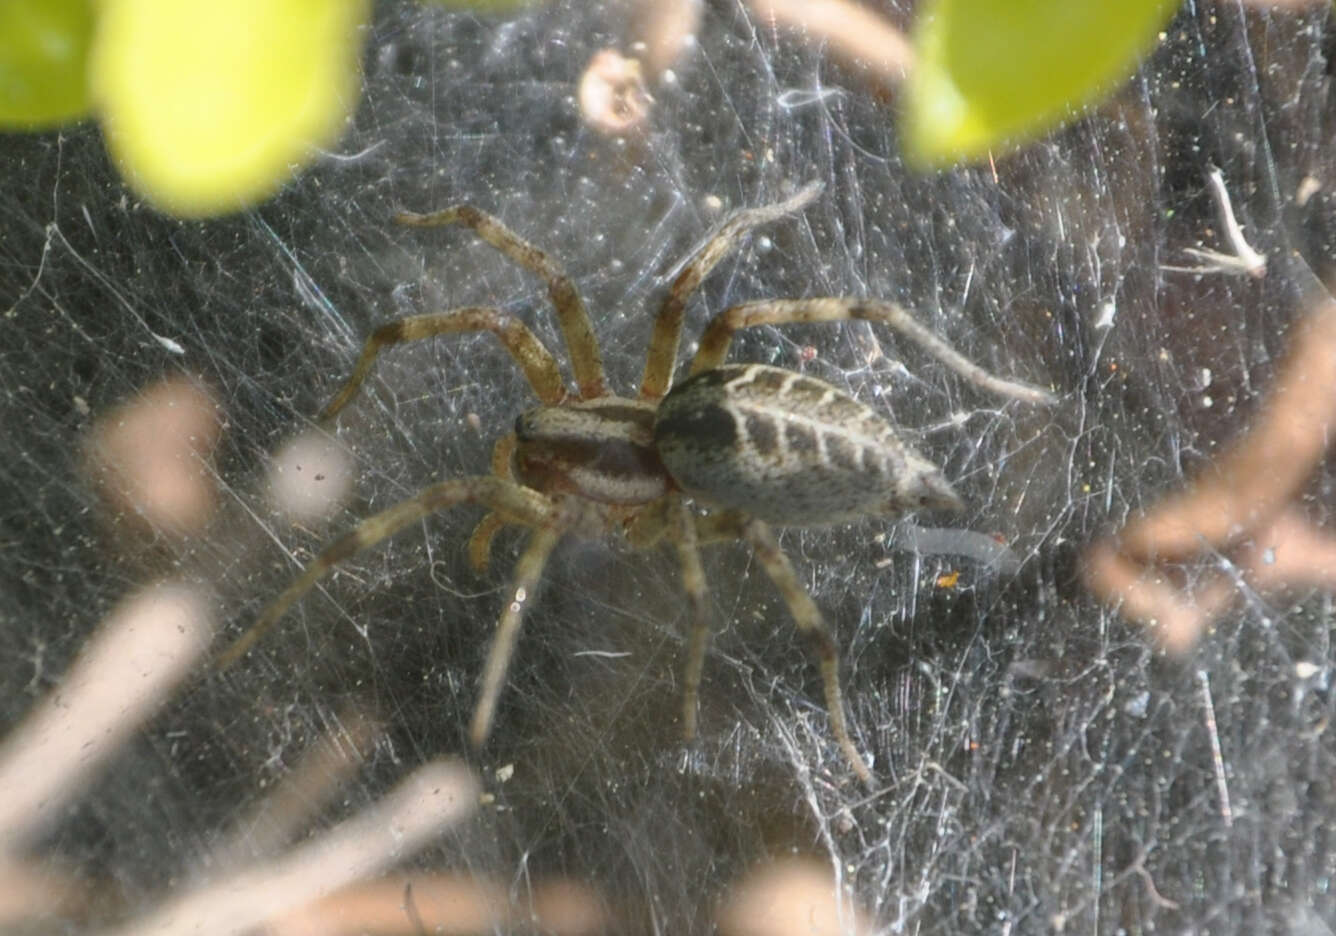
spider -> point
(749, 445)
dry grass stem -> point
(430, 800)
(322, 770)
(447, 905)
(126, 671)
(853, 32)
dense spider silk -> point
(1044, 765)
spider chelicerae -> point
(723, 455)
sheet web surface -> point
(1041, 762)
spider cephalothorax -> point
(749, 445)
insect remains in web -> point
(723, 455)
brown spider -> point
(755, 445)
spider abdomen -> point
(789, 449)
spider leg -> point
(693, 583)
(670, 516)
(662, 358)
(480, 542)
(581, 345)
(538, 364)
(720, 526)
(719, 334)
(813, 626)
(528, 570)
(524, 504)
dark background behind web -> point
(1038, 755)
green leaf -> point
(43, 60)
(994, 73)
(484, 6)
(210, 105)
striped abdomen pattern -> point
(789, 449)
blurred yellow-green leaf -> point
(43, 56)
(483, 6)
(210, 105)
(992, 73)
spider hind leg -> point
(814, 627)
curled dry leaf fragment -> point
(613, 98)
(1242, 505)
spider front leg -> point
(572, 318)
(662, 358)
(719, 335)
(520, 503)
(812, 626)
(538, 364)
